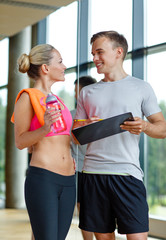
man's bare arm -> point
(155, 126)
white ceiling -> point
(16, 15)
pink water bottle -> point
(59, 125)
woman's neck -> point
(44, 88)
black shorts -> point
(110, 201)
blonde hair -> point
(40, 54)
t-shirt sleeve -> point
(149, 104)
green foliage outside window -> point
(156, 172)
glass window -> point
(111, 15)
(156, 74)
(4, 61)
(156, 18)
(65, 90)
(156, 148)
(62, 32)
(128, 66)
(94, 74)
(3, 107)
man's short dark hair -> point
(85, 81)
(118, 39)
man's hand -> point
(135, 127)
(83, 122)
(155, 126)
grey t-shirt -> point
(119, 153)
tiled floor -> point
(14, 225)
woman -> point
(50, 181)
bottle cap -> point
(50, 98)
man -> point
(80, 153)
(113, 191)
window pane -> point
(128, 66)
(62, 32)
(156, 148)
(156, 74)
(94, 74)
(156, 19)
(3, 106)
(4, 61)
(111, 15)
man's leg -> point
(137, 236)
(111, 236)
(86, 235)
(132, 209)
(105, 236)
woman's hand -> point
(51, 115)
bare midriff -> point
(54, 154)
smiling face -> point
(105, 56)
(56, 68)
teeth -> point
(98, 65)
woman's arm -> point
(23, 114)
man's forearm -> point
(155, 130)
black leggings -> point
(50, 200)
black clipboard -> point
(101, 129)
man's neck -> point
(114, 77)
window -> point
(3, 107)
(65, 90)
(4, 61)
(156, 148)
(62, 32)
(156, 18)
(111, 15)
